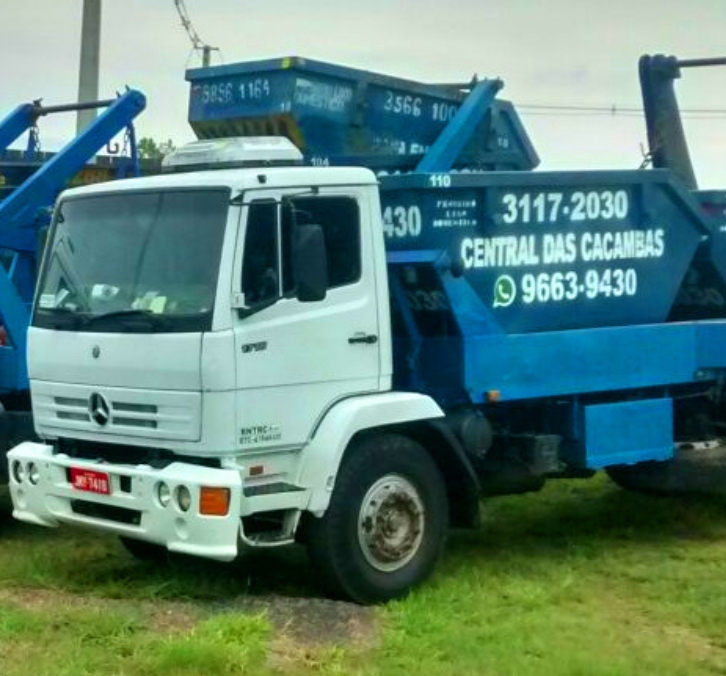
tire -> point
(697, 471)
(386, 523)
(145, 551)
(649, 478)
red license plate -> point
(90, 480)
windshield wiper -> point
(64, 313)
(152, 319)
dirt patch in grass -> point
(657, 628)
(162, 616)
(307, 622)
(317, 635)
(312, 621)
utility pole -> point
(89, 61)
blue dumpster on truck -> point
(344, 116)
(555, 304)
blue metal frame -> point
(21, 215)
(15, 124)
(443, 153)
(592, 361)
(21, 207)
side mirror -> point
(310, 263)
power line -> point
(613, 108)
(614, 111)
(198, 45)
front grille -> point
(134, 422)
(135, 408)
(72, 402)
(62, 409)
(115, 453)
(121, 454)
(72, 408)
(68, 415)
(123, 413)
(131, 517)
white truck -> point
(210, 361)
(245, 352)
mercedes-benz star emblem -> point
(99, 409)
(96, 352)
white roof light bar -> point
(237, 151)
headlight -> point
(163, 494)
(33, 473)
(18, 471)
(183, 498)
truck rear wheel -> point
(651, 479)
(386, 523)
(697, 470)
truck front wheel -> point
(386, 522)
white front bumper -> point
(132, 508)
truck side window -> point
(260, 269)
(340, 219)
(267, 262)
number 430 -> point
(401, 221)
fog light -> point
(183, 498)
(18, 471)
(33, 473)
(213, 501)
(163, 494)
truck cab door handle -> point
(370, 339)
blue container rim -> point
(451, 92)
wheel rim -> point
(391, 523)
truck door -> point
(294, 360)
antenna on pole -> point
(197, 43)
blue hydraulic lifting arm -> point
(443, 153)
(40, 189)
(20, 211)
(16, 123)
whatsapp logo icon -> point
(505, 291)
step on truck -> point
(263, 345)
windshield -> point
(134, 262)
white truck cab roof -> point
(257, 161)
(237, 179)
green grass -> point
(582, 578)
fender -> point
(324, 452)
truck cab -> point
(192, 335)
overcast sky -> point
(559, 52)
